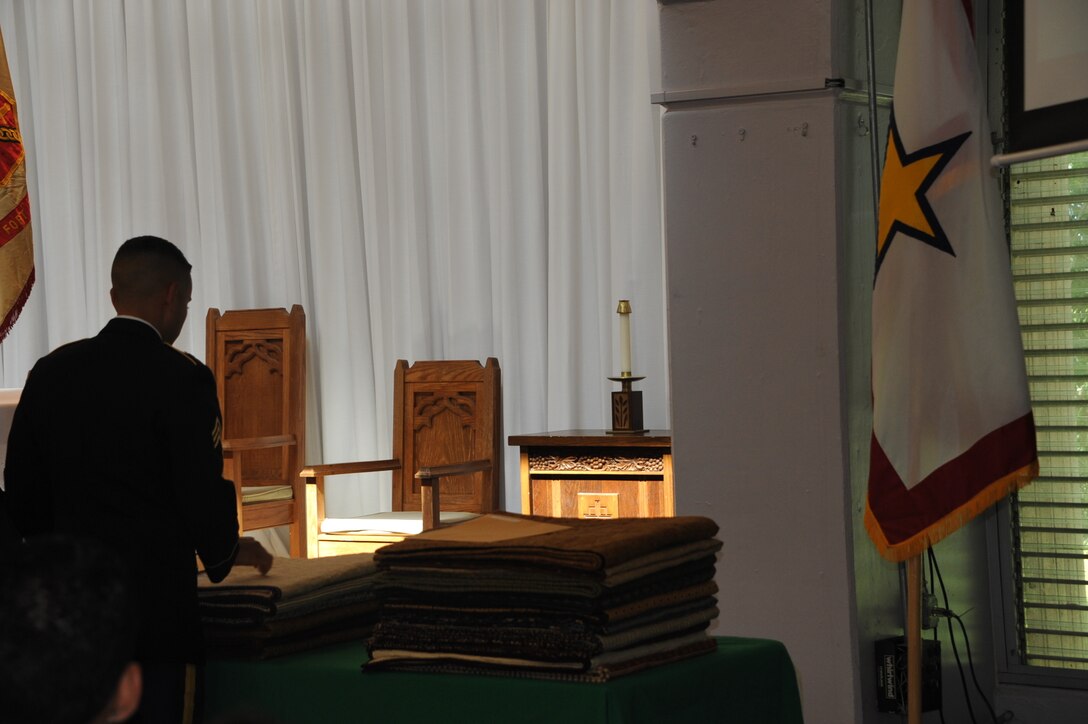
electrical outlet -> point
(929, 605)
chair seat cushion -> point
(401, 522)
(265, 493)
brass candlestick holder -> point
(626, 407)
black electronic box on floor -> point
(891, 670)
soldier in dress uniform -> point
(118, 438)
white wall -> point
(752, 236)
(758, 426)
(728, 49)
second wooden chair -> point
(447, 436)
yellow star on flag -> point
(904, 207)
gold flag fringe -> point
(17, 307)
(933, 534)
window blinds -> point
(1048, 214)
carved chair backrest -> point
(258, 357)
(447, 412)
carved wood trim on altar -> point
(606, 463)
(596, 474)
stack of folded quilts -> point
(556, 598)
(301, 604)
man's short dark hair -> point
(68, 621)
(144, 265)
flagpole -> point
(914, 640)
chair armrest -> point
(257, 443)
(314, 478)
(428, 486)
(445, 471)
(312, 472)
(242, 444)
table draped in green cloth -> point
(478, 627)
(744, 681)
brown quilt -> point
(584, 545)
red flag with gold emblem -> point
(16, 242)
(952, 425)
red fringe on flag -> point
(17, 307)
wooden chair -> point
(258, 357)
(447, 426)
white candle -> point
(624, 310)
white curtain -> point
(429, 178)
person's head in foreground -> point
(67, 635)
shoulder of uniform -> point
(62, 352)
(188, 357)
(68, 347)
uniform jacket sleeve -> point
(206, 498)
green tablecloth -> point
(749, 681)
